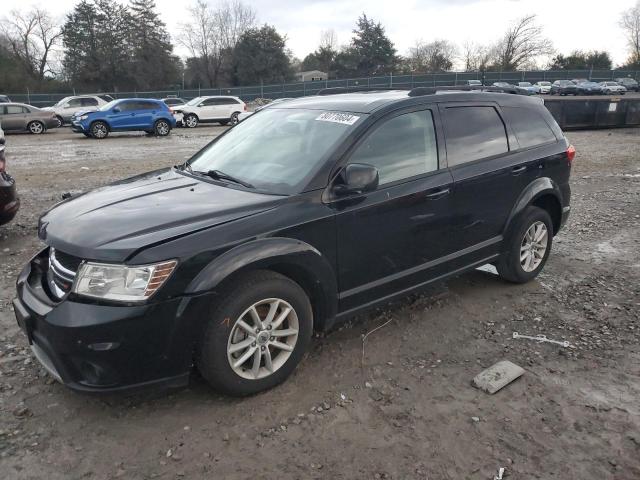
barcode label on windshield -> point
(344, 118)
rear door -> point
(389, 240)
(145, 114)
(488, 173)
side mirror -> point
(116, 110)
(357, 178)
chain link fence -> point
(301, 89)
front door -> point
(391, 239)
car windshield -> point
(194, 101)
(278, 150)
(62, 102)
(525, 84)
(108, 106)
(544, 84)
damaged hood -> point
(113, 222)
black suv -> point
(296, 218)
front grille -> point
(62, 272)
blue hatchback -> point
(131, 114)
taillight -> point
(3, 161)
(571, 153)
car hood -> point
(114, 222)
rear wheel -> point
(528, 246)
(191, 120)
(234, 118)
(257, 334)
(36, 127)
(162, 128)
(99, 130)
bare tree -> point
(630, 23)
(329, 40)
(212, 34)
(32, 38)
(522, 44)
(436, 56)
(476, 57)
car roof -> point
(138, 100)
(19, 104)
(370, 101)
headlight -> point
(84, 117)
(121, 282)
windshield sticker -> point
(344, 118)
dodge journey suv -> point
(295, 219)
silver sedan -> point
(26, 118)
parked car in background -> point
(68, 106)
(4, 99)
(612, 88)
(629, 83)
(290, 223)
(588, 88)
(131, 114)
(474, 83)
(578, 81)
(174, 101)
(245, 115)
(9, 200)
(221, 109)
(26, 118)
(509, 88)
(544, 87)
(530, 89)
(563, 87)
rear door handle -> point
(518, 170)
(439, 193)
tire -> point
(99, 130)
(234, 118)
(60, 121)
(215, 354)
(36, 127)
(510, 266)
(161, 128)
(191, 121)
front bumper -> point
(9, 200)
(78, 127)
(93, 347)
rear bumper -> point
(9, 200)
(91, 347)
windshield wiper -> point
(184, 166)
(218, 175)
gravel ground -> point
(400, 408)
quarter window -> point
(400, 148)
(474, 133)
(529, 126)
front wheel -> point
(528, 246)
(36, 127)
(256, 335)
(99, 130)
(191, 121)
(162, 128)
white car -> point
(245, 115)
(613, 88)
(68, 106)
(543, 87)
(221, 109)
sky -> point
(570, 24)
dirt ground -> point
(403, 410)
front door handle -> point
(439, 193)
(518, 170)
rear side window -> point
(89, 102)
(400, 148)
(74, 102)
(473, 133)
(146, 106)
(529, 126)
(15, 109)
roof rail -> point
(419, 91)
(337, 90)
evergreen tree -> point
(153, 62)
(374, 50)
(260, 56)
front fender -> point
(537, 188)
(294, 258)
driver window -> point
(402, 147)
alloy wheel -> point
(191, 121)
(534, 246)
(99, 130)
(162, 128)
(36, 127)
(262, 338)
(234, 119)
